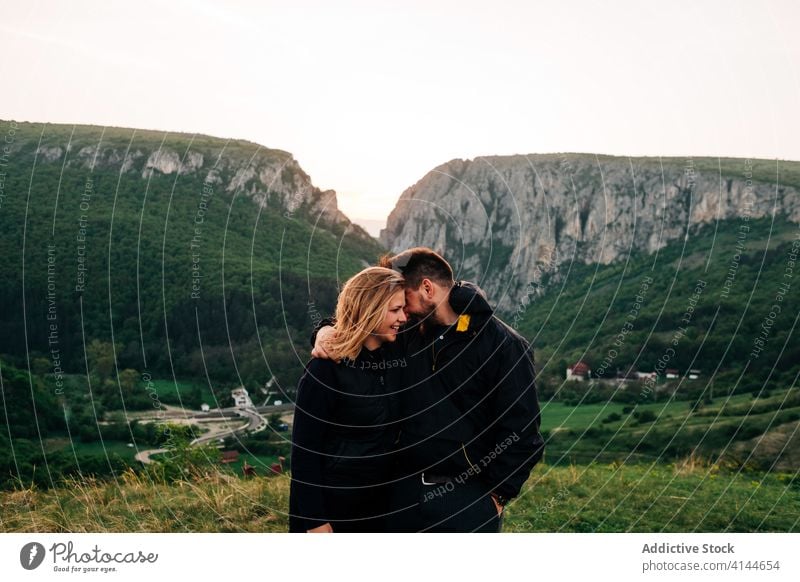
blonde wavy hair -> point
(360, 310)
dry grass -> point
(209, 502)
(690, 495)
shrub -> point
(644, 416)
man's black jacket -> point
(468, 397)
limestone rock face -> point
(267, 176)
(164, 161)
(504, 222)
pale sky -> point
(369, 96)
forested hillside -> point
(190, 255)
(707, 303)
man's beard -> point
(425, 316)
(428, 309)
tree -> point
(101, 359)
(128, 379)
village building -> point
(241, 398)
(579, 371)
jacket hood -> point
(466, 297)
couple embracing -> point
(418, 411)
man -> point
(470, 415)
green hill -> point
(704, 303)
(194, 256)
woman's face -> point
(394, 318)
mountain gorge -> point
(133, 258)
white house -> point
(579, 372)
(241, 398)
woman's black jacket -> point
(344, 430)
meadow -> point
(687, 496)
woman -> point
(344, 422)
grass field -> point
(757, 433)
(581, 498)
(558, 416)
(261, 463)
(655, 497)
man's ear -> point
(427, 288)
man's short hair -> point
(420, 263)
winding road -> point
(255, 422)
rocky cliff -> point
(265, 175)
(514, 222)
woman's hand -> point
(325, 528)
(497, 505)
(323, 336)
